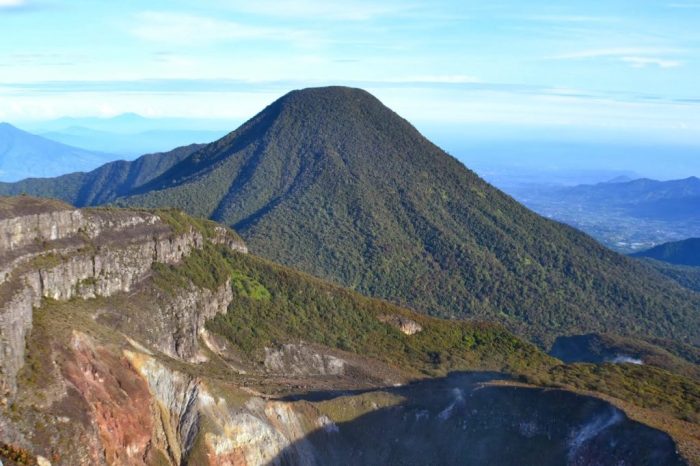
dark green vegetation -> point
(686, 252)
(275, 305)
(332, 182)
(103, 184)
(686, 276)
(644, 386)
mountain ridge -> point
(387, 174)
(685, 252)
(102, 184)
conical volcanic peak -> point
(331, 181)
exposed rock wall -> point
(16, 232)
(68, 254)
(300, 359)
(118, 401)
(258, 432)
(180, 320)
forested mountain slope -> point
(334, 183)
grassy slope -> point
(333, 183)
(274, 304)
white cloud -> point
(186, 29)
(637, 57)
(614, 52)
(435, 79)
(12, 3)
(341, 10)
(643, 62)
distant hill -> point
(132, 144)
(686, 252)
(620, 179)
(644, 198)
(130, 135)
(103, 184)
(331, 181)
(23, 155)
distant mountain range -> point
(131, 144)
(25, 155)
(333, 182)
(625, 215)
(642, 198)
(130, 134)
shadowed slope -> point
(686, 252)
(103, 184)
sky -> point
(620, 69)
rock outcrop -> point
(401, 323)
(300, 359)
(49, 250)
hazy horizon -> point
(502, 154)
(603, 86)
(618, 67)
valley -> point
(625, 215)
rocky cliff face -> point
(51, 251)
(105, 363)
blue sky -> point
(627, 68)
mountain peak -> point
(129, 116)
(342, 102)
(339, 93)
